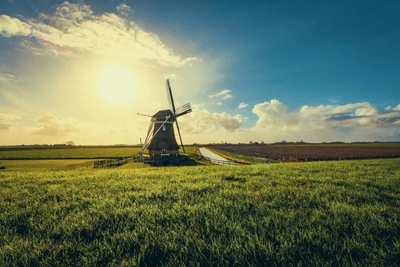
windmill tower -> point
(160, 140)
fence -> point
(109, 162)
(221, 162)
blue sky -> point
(265, 71)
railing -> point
(221, 162)
(109, 162)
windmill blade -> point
(182, 110)
(151, 138)
(170, 98)
(146, 141)
(180, 137)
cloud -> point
(203, 121)
(124, 9)
(197, 106)
(5, 77)
(13, 27)
(396, 108)
(49, 125)
(242, 105)
(74, 28)
(7, 121)
(273, 115)
(170, 76)
(224, 94)
(11, 99)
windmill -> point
(160, 140)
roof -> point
(161, 115)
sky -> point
(260, 71)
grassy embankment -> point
(317, 213)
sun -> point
(116, 84)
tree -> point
(70, 143)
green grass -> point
(60, 165)
(319, 213)
(73, 152)
(69, 153)
(46, 165)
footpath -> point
(214, 158)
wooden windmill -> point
(160, 140)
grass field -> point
(68, 153)
(46, 165)
(317, 213)
(72, 152)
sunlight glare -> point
(116, 84)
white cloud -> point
(5, 77)
(390, 108)
(224, 94)
(170, 76)
(7, 121)
(197, 106)
(13, 26)
(203, 121)
(74, 28)
(242, 105)
(9, 98)
(274, 115)
(397, 108)
(124, 9)
(49, 125)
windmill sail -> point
(161, 140)
(182, 110)
(180, 137)
(170, 98)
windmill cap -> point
(162, 114)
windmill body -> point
(160, 142)
(163, 142)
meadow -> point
(316, 213)
(29, 153)
(72, 152)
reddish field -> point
(315, 152)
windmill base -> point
(174, 160)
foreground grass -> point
(320, 213)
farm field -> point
(311, 152)
(46, 165)
(315, 213)
(67, 152)
(71, 152)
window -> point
(164, 151)
(164, 127)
